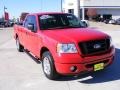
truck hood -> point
(75, 34)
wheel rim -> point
(17, 43)
(46, 66)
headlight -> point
(66, 48)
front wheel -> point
(20, 48)
(48, 66)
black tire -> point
(52, 75)
(20, 48)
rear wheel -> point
(48, 66)
(20, 48)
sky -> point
(16, 7)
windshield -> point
(54, 21)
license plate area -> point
(98, 66)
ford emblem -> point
(97, 46)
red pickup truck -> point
(64, 44)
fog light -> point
(73, 68)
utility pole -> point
(41, 5)
(61, 6)
(4, 11)
(78, 4)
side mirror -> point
(85, 22)
(31, 27)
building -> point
(87, 8)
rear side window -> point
(31, 19)
(27, 21)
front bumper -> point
(85, 64)
(65, 69)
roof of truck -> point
(43, 13)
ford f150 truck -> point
(64, 44)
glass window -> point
(71, 11)
(26, 21)
(31, 19)
(54, 21)
(34, 22)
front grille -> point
(95, 46)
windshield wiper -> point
(62, 27)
